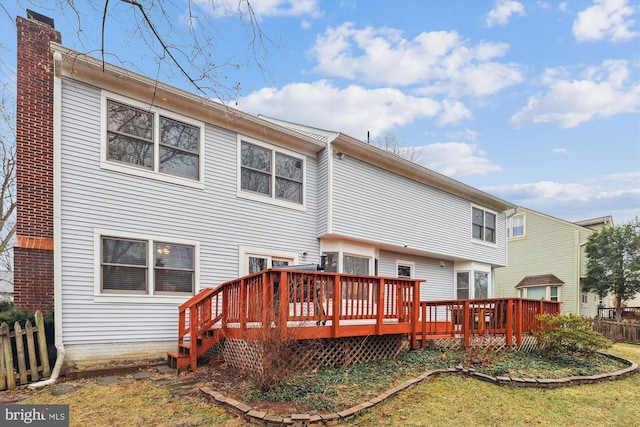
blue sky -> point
(536, 102)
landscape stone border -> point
(256, 416)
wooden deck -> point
(312, 305)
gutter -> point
(57, 224)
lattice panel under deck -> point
(314, 354)
(529, 343)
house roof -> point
(82, 67)
(595, 221)
(390, 161)
(541, 279)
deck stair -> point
(181, 359)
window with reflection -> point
(483, 225)
(271, 173)
(136, 137)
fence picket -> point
(8, 355)
(22, 363)
(629, 331)
(42, 344)
(9, 375)
(31, 350)
(3, 373)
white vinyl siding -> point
(367, 206)
(106, 199)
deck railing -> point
(341, 305)
(508, 317)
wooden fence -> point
(23, 353)
(623, 331)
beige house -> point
(546, 260)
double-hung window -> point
(483, 225)
(271, 174)
(146, 267)
(516, 226)
(153, 143)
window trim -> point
(495, 230)
(244, 252)
(510, 227)
(271, 199)
(410, 264)
(153, 173)
(524, 294)
(150, 296)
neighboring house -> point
(6, 285)
(547, 260)
(134, 195)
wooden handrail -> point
(347, 305)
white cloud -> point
(262, 8)
(616, 194)
(353, 110)
(606, 19)
(602, 92)
(286, 8)
(502, 11)
(432, 62)
(467, 135)
(560, 151)
(455, 159)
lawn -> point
(445, 401)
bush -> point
(569, 334)
(14, 315)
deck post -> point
(337, 306)
(519, 320)
(466, 319)
(415, 313)
(243, 306)
(267, 315)
(193, 339)
(509, 320)
(380, 305)
(283, 302)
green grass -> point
(443, 401)
(455, 401)
(331, 390)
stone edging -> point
(255, 416)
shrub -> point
(569, 333)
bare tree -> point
(389, 141)
(7, 179)
(183, 40)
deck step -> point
(177, 360)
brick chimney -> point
(33, 247)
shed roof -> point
(541, 279)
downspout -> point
(57, 223)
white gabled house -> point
(134, 195)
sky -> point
(535, 102)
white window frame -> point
(410, 264)
(472, 268)
(155, 172)
(483, 241)
(524, 226)
(584, 298)
(244, 252)
(271, 199)
(150, 296)
(344, 247)
(524, 291)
